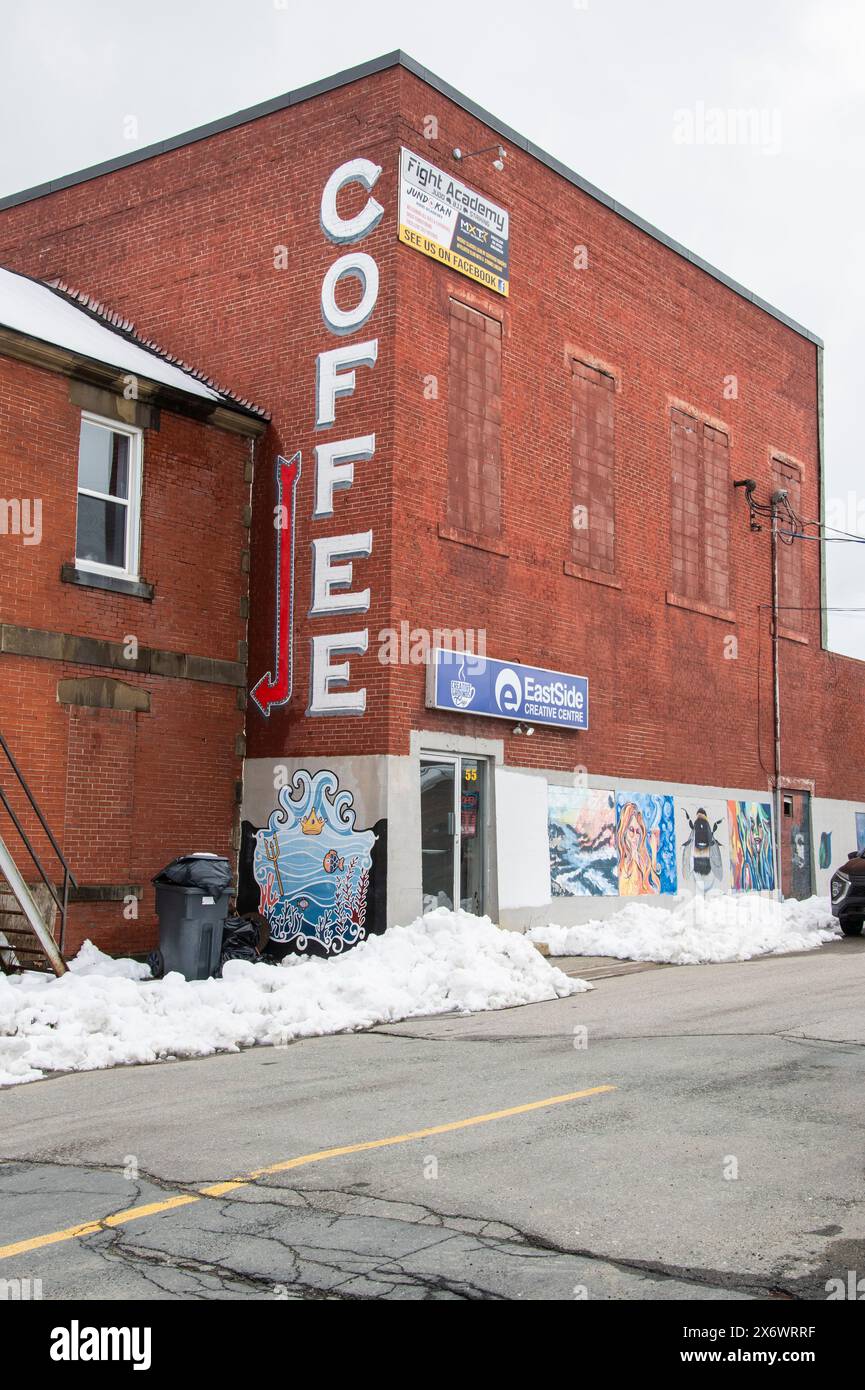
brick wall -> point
(791, 596)
(593, 477)
(209, 281)
(474, 421)
(676, 690)
(700, 504)
(123, 791)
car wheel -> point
(851, 926)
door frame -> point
(431, 747)
(456, 761)
(796, 784)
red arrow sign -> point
(271, 690)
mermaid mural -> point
(646, 843)
(312, 867)
(752, 862)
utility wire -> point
(823, 540)
(837, 529)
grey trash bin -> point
(192, 896)
(190, 930)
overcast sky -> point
(601, 84)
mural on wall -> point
(752, 860)
(582, 836)
(702, 837)
(801, 885)
(646, 843)
(825, 851)
(608, 842)
(274, 690)
(860, 830)
(313, 867)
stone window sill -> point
(87, 579)
(470, 538)
(694, 605)
(591, 576)
(788, 635)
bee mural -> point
(702, 855)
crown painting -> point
(312, 867)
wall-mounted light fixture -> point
(498, 163)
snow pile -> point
(91, 961)
(731, 927)
(103, 1014)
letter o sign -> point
(358, 266)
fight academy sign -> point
(452, 223)
(466, 684)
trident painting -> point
(312, 867)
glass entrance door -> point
(438, 832)
(472, 808)
(453, 823)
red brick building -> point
(126, 491)
(529, 435)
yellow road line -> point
(120, 1218)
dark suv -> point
(848, 893)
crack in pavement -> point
(387, 1280)
(784, 1035)
(507, 1235)
(390, 1275)
(508, 1241)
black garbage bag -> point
(209, 872)
(239, 940)
(275, 952)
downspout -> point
(821, 485)
(242, 692)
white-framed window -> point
(109, 497)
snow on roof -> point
(67, 319)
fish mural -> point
(752, 858)
(312, 867)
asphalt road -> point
(726, 1163)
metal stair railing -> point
(17, 883)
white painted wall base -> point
(518, 872)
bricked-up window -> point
(787, 475)
(700, 521)
(593, 512)
(109, 487)
(474, 422)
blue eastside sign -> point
(467, 684)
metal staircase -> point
(28, 914)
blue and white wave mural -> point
(312, 867)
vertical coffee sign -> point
(444, 219)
